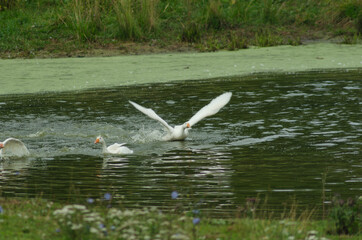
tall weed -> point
(191, 32)
(240, 11)
(148, 15)
(264, 38)
(136, 19)
(85, 18)
(352, 10)
(236, 41)
(128, 28)
(269, 13)
(10, 4)
(215, 18)
(347, 215)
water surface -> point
(277, 137)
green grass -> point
(29, 28)
(41, 219)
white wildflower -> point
(94, 230)
(312, 235)
(312, 232)
(183, 218)
(128, 213)
(290, 223)
(179, 236)
(165, 223)
(76, 226)
(79, 207)
(151, 221)
(49, 204)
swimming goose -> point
(117, 148)
(13, 147)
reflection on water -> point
(277, 137)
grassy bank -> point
(99, 219)
(52, 28)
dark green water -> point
(276, 138)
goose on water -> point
(13, 147)
(180, 132)
(117, 148)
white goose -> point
(117, 148)
(181, 132)
(13, 147)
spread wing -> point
(14, 147)
(149, 112)
(210, 109)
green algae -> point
(19, 76)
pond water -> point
(276, 139)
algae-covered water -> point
(66, 74)
(281, 136)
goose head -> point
(186, 125)
(99, 140)
(1, 145)
(185, 128)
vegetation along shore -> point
(105, 218)
(60, 28)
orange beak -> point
(188, 125)
(96, 141)
(1, 145)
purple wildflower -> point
(90, 200)
(174, 194)
(107, 196)
(1, 209)
(196, 221)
